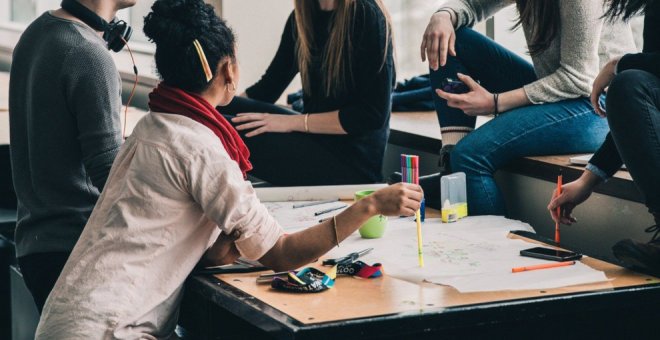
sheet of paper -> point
(313, 193)
(300, 218)
(473, 254)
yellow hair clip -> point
(202, 59)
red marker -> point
(559, 184)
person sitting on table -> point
(176, 194)
(539, 110)
(632, 110)
(343, 52)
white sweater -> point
(584, 43)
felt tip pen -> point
(542, 266)
(329, 210)
(309, 204)
(559, 185)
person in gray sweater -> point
(65, 131)
(540, 109)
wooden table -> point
(234, 306)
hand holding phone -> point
(455, 86)
(550, 254)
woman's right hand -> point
(439, 39)
(601, 83)
(401, 199)
(572, 195)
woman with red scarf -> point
(176, 195)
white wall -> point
(258, 26)
(409, 20)
(513, 40)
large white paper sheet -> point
(471, 255)
(300, 218)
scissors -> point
(348, 258)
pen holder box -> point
(453, 194)
(375, 226)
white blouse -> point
(171, 191)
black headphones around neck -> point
(116, 33)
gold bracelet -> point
(306, 126)
(334, 226)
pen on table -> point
(559, 184)
(309, 204)
(329, 210)
(542, 266)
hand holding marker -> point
(410, 173)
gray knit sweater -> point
(64, 104)
(569, 66)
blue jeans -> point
(565, 127)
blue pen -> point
(422, 209)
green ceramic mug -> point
(374, 227)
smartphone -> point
(550, 254)
(455, 86)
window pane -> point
(137, 14)
(23, 11)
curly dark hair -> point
(173, 25)
(625, 9)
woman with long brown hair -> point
(540, 109)
(343, 52)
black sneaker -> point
(643, 257)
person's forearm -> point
(511, 100)
(320, 123)
(590, 180)
(298, 249)
(447, 14)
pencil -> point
(559, 184)
(542, 266)
(309, 204)
(328, 210)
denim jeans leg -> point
(495, 67)
(633, 100)
(565, 127)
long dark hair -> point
(337, 55)
(624, 8)
(543, 18)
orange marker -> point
(543, 266)
(559, 184)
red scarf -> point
(168, 99)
